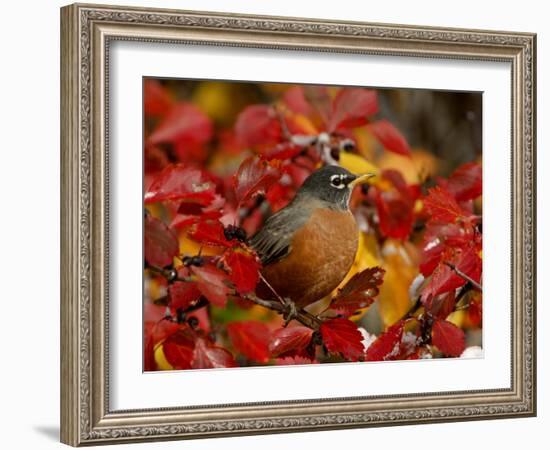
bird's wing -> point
(274, 240)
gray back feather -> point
(273, 241)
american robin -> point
(308, 247)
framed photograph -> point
(277, 225)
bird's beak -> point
(361, 179)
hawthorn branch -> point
(305, 318)
(413, 309)
(282, 122)
(461, 274)
(302, 316)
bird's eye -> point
(337, 182)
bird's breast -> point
(321, 254)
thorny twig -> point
(279, 306)
(461, 274)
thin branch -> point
(280, 306)
(461, 274)
(282, 122)
(305, 318)
(272, 289)
(412, 310)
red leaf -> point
(342, 336)
(149, 362)
(160, 244)
(352, 107)
(187, 152)
(475, 313)
(244, 269)
(153, 313)
(207, 356)
(279, 195)
(390, 137)
(209, 232)
(409, 193)
(440, 306)
(251, 338)
(184, 123)
(290, 341)
(178, 350)
(387, 345)
(296, 101)
(154, 160)
(156, 100)
(451, 234)
(283, 152)
(448, 338)
(465, 182)
(179, 182)
(294, 361)
(183, 293)
(395, 214)
(154, 333)
(257, 124)
(190, 213)
(359, 291)
(319, 98)
(442, 206)
(469, 263)
(445, 279)
(213, 283)
(254, 176)
(190, 209)
(431, 256)
(395, 206)
(157, 328)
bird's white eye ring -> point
(337, 181)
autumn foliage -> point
(215, 169)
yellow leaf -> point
(190, 247)
(222, 101)
(366, 143)
(357, 164)
(304, 124)
(420, 165)
(160, 358)
(365, 256)
(458, 318)
(401, 265)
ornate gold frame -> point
(86, 31)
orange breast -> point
(321, 254)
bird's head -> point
(332, 184)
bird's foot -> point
(290, 312)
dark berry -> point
(193, 322)
(171, 274)
(316, 338)
(232, 232)
(348, 145)
(197, 261)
